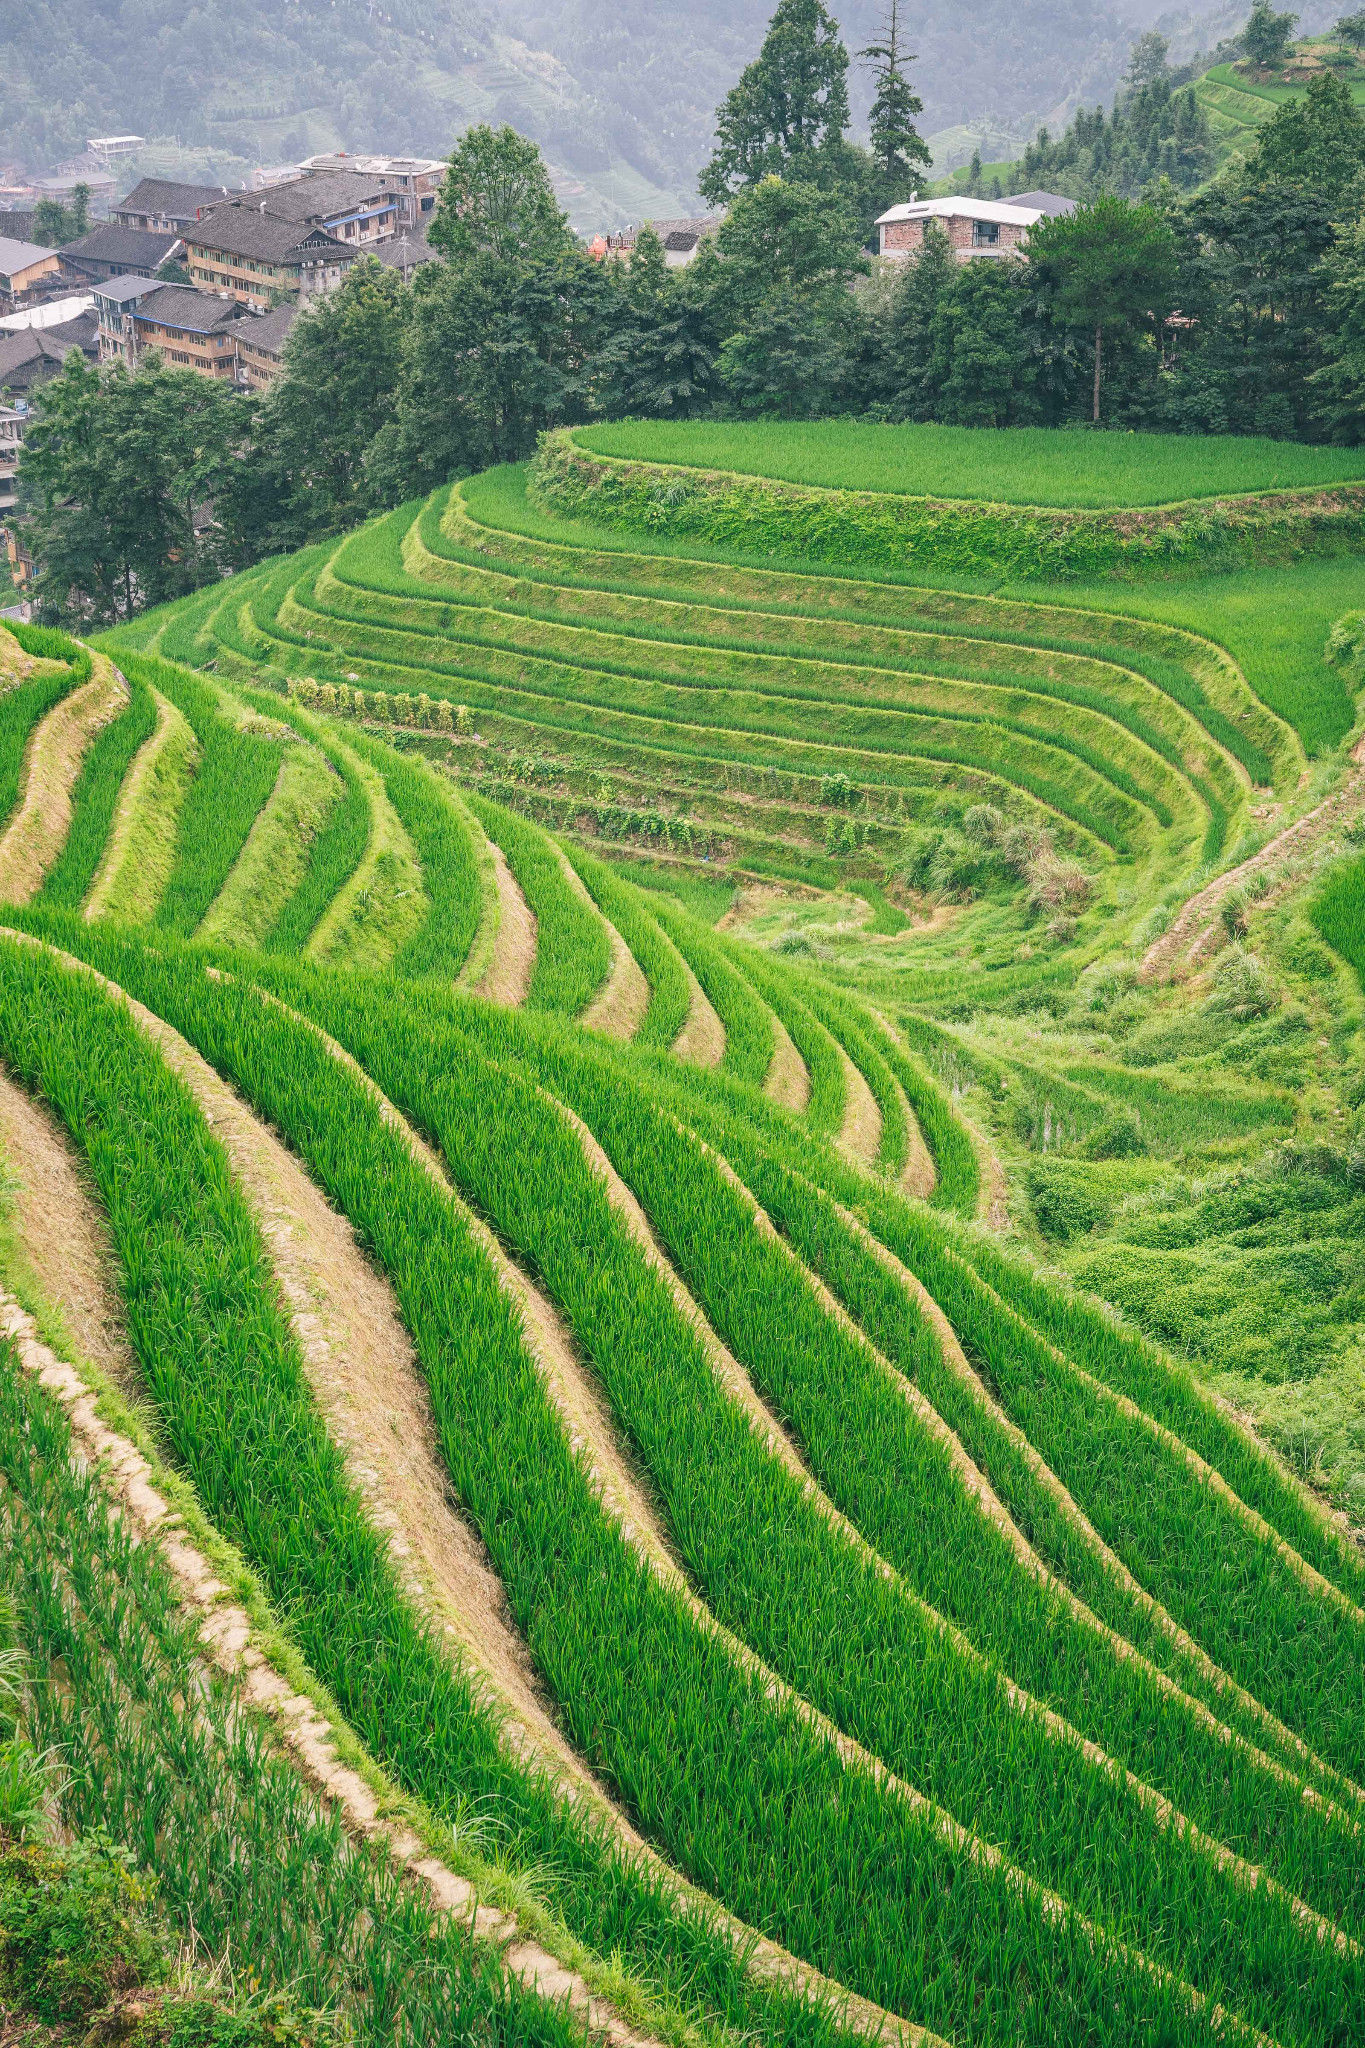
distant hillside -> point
(1235, 99)
(1239, 101)
(620, 94)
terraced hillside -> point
(1238, 101)
(555, 1354)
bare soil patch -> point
(508, 974)
(701, 1042)
(860, 1133)
(62, 1233)
(787, 1080)
(618, 1008)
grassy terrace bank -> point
(957, 535)
(1000, 465)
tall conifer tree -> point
(899, 152)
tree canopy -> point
(1108, 265)
(788, 114)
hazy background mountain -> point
(620, 94)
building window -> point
(985, 234)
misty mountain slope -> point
(620, 94)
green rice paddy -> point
(1008, 465)
(718, 996)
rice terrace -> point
(684, 1245)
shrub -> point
(1066, 1204)
(1118, 1137)
(73, 1927)
(983, 823)
(1345, 646)
(1242, 988)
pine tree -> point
(788, 114)
(899, 151)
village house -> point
(194, 330)
(13, 419)
(681, 238)
(110, 250)
(115, 303)
(242, 248)
(260, 346)
(355, 207)
(100, 187)
(30, 355)
(28, 272)
(974, 227)
(405, 252)
(159, 206)
(415, 181)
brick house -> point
(974, 227)
(681, 238)
(244, 248)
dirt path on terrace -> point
(860, 1133)
(1181, 946)
(919, 1175)
(787, 1081)
(618, 1008)
(62, 1232)
(701, 1042)
(37, 832)
(508, 975)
